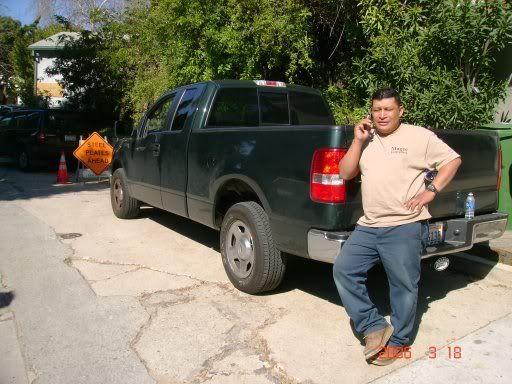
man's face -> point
(386, 114)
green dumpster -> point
(504, 131)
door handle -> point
(156, 149)
(210, 162)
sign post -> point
(95, 153)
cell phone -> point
(369, 117)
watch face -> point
(430, 175)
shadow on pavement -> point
(316, 279)
(17, 185)
(201, 233)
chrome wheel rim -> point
(118, 193)
(240, 249)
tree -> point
(86, 14)
(174, 42)
(439, 55)
(90, 82)
(9, 29)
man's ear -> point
(401, 111)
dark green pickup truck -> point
(259, 161)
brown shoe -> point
(375, 341)
(388, 355)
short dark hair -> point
(386, 93)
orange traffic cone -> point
(62, 174)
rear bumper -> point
(459, 235)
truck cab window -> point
(185, 108)
(157, 119)
(309, 109)
(234, 107)
(274, 108)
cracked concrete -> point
(181, 338)
(93, 271)
(140, 281)
(242, 366)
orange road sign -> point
(95, 153)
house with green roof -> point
(44, 53)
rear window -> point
(274, 108)
(309, 109)
(235, 107)
(59, 122)
(240, 107)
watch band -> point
(432, 188)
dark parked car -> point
(6, 108)
(36, 137)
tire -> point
(24, 162)
(251, 261)
(123, 205)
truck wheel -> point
(24, 161)
(123, 205)
(250, 259)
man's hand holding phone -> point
(363, 128)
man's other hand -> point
(417, 202)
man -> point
(392, 158)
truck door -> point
(173, 149)
(145, 167)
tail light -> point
(326, 185)
(500, 159)
(40, 138)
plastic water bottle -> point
(470, 206)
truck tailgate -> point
(478, 173)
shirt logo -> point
(399, 150)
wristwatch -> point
(432, 188)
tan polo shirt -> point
(393, 170)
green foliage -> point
(175, 42)
(9, 29)
(90, 82)
(345, 108)
(439, 55)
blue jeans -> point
(399, 249)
